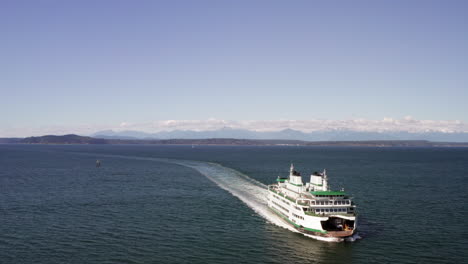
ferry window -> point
(313, 202)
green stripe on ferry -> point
(328, 193)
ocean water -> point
(178, 204)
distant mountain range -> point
(286, 134)
(75, 139)
(65, 139)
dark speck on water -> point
(56, 207)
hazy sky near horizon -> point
(67, 63)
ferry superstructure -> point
(312, 208)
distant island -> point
(76, 139)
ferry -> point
(312, 208)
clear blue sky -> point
(74, 62)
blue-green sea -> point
(203, 204)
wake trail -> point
(248, 190)
(251, 192)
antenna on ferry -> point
(291, 169)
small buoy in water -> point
(98, 163)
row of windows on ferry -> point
(344, 202)
(280, 206)
(298, 216)
(331, 210)
(282, 200)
